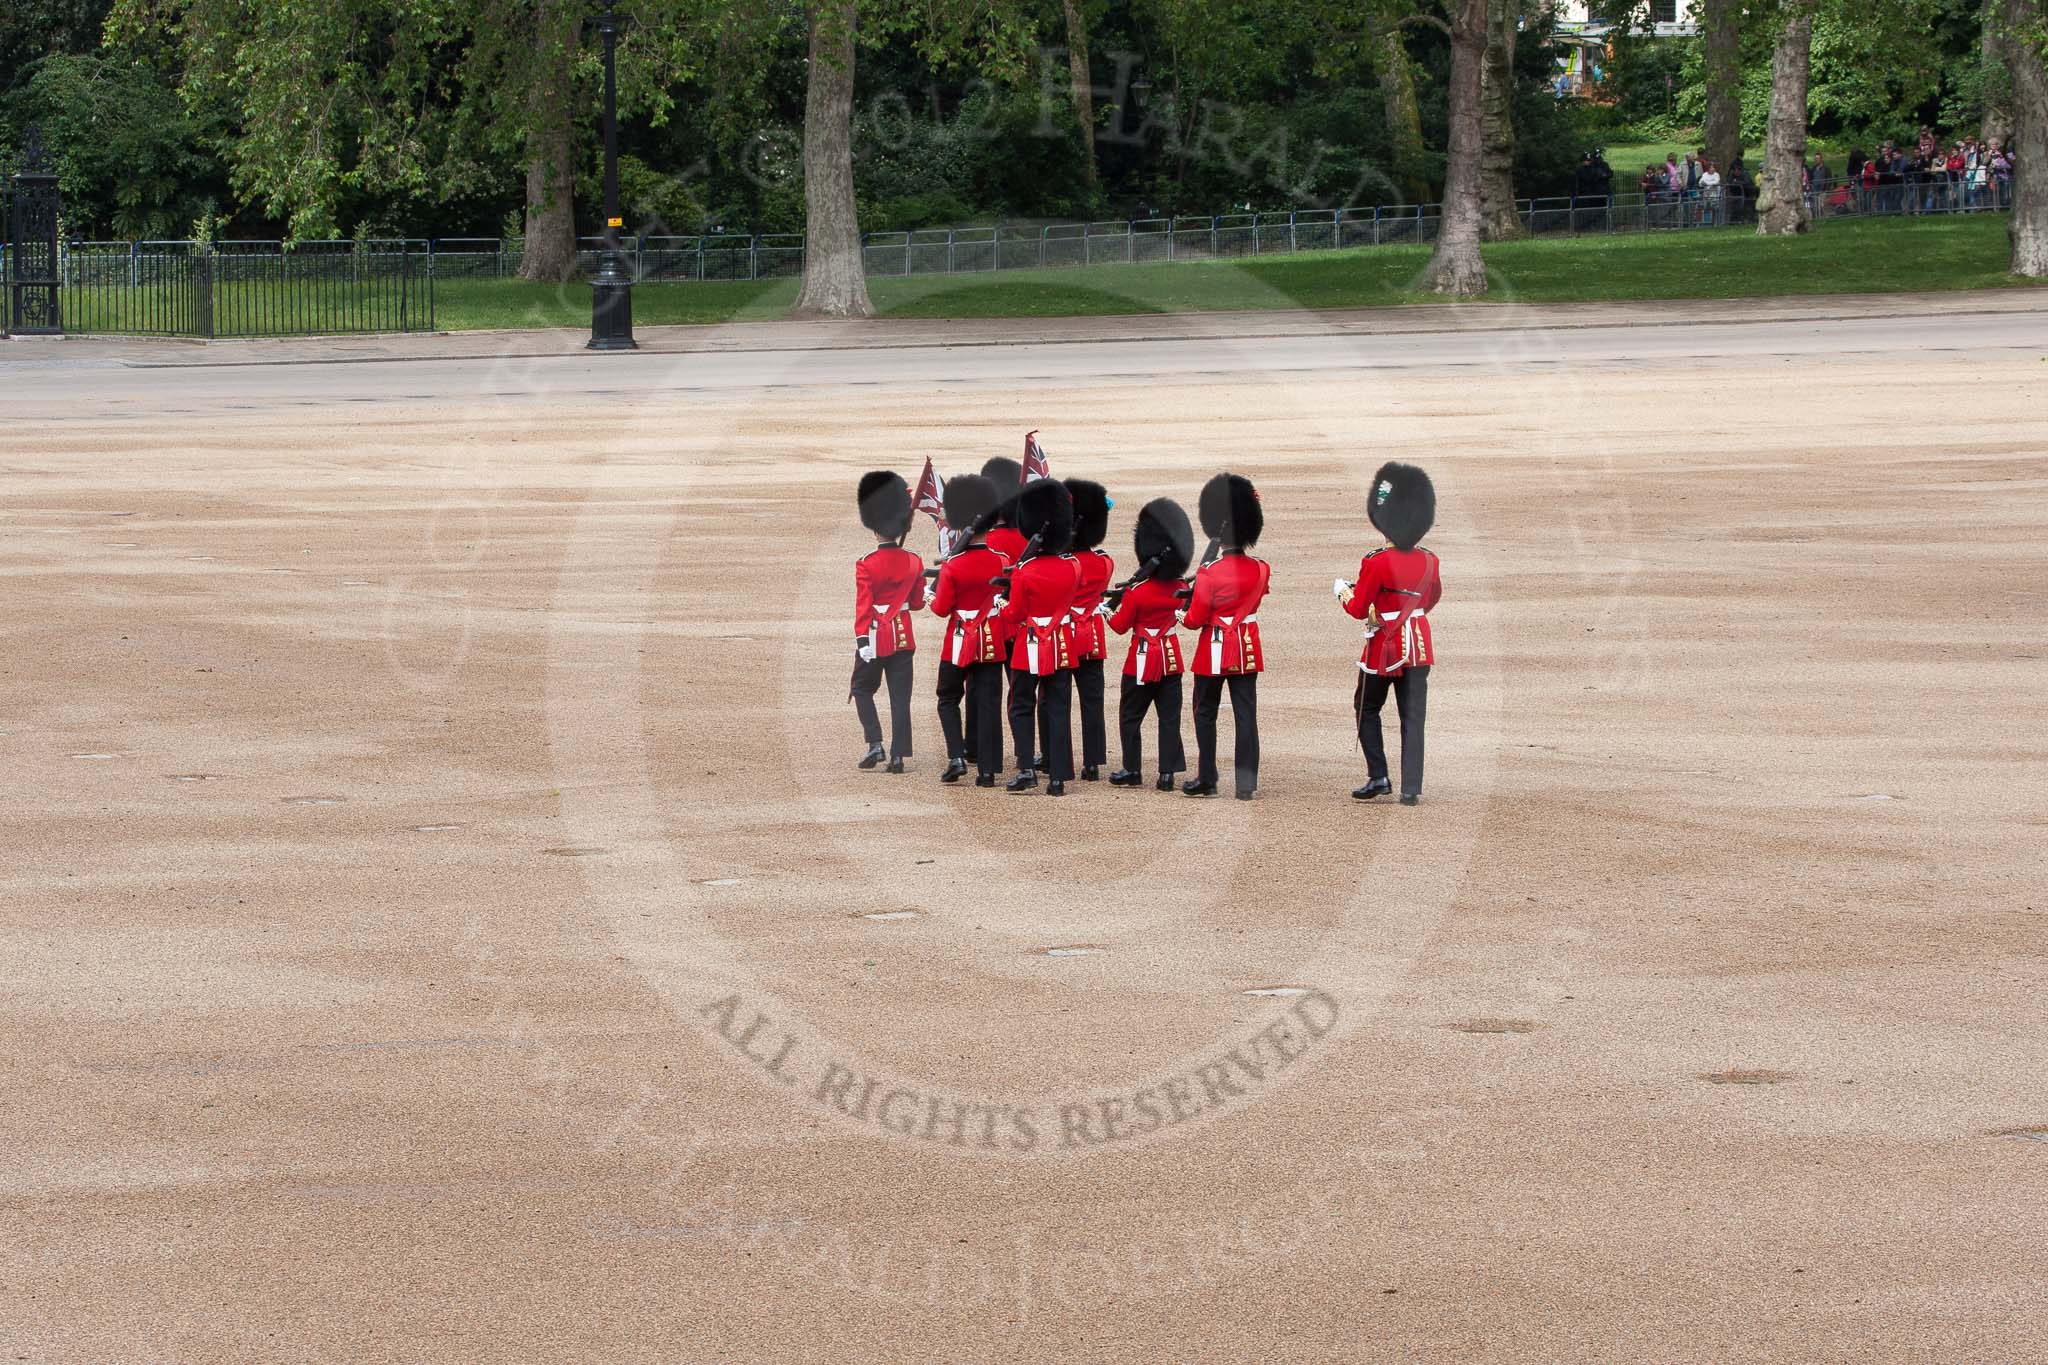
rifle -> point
(1209, 555)
(964, 542)
(1002, 580)
(1115, 596)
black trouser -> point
(1244, 714)
(867, 680)
(1411, 696)
(1164, 696)
(954, 684)
(1058, 747)
(985, 717)
(1088, 692)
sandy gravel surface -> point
(421, 785)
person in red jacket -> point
(1396, 587)
(1165, 546)
(1004, 537)
(1036, 603)
(1092, 572)
(1224, 606)
(971, 662)
(888, 584)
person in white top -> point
(1710, 193)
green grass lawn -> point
(1885, 256)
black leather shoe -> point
(1247, 795)
(1055, 788)
(1410, 798)
(1166, 782)
(895, 765)
(1022, 782)
(1090, 773)
(955, 770)
(1378, 786)
(874, 757)
(1193, 788)
(1124, 777)
(984, 779)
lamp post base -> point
(611, 314)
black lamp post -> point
(611, 290)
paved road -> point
(104, 380)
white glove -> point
(999, 604)
(864, 646)
(1180, 618)
(1104, 609)
(1339, 589)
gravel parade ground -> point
(445, 921)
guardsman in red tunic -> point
(1165, 546)
(1395, 590)
(888, 584)
(1224, 606)
(1038, 598)
(971, 662)
(1004, 537)
(1092, 571)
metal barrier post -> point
(754, 255)
(202, 293)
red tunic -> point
(1093, 570)
(1225, 607)
(1146, 614)
(888, 584)
(966, 598)
(1007, 541)
(1041, 595)
(1403, 585)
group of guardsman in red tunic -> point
(1027, 596)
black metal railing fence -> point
(247, 289)
(254, 289)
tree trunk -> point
(1456, 267)
(835, 281)
(1997, 121)
(1722, 22)
(2022, 39)
(1397, 97)
(1498, 219)
(550, 254)
(1084, 83)
(1780, 203)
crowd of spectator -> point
(1970, 173)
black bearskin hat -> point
(1231, 512)
(885, 504)
(1006, 474)
(1091, 512)
(1163, 530)
(968, 498)
(1045, 509)
(1402, 504)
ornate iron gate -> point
(32, 303)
